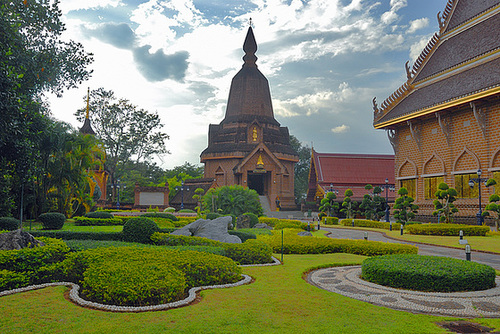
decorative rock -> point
(18, 239)
(215, 229)
(263, 225)
(305, 234)
(243, 221)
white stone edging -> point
(75, 297)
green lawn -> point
(489, 243)
(69, 225)
(279, 301)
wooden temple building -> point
(249, 147)
(337, 172)
(444, 121)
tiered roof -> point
(349, 171)
(460, 64)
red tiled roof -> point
(350, 169)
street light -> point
(182, 193)
(387, 186)
(478, 180)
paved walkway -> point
(346, 281)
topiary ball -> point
(9, 223)
(52, 220)
(139, 229)
(99, 214)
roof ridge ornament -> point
(250, 47)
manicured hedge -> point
(32, 265)
(249, 252)
(448, 229)
(292, 224)
(145, 276)
(294, 244)
(370, 223)
(99, 214)
(70, 235)
(330, 220)
(9, 223)
(160, 215)
(52, 220)
(428, 273)
(139, 230)
(244, 236)
(86, 221)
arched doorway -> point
(257, 182)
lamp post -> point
(182, 193)
(478, 180)
(387, 186)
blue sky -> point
(325, 61)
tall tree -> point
(301, 180)
(126, 131)
(33, 59)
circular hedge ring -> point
(427, 273)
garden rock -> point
(243, 221)
(18, 239)
(262, 225)
(215, 229)
(305, 234)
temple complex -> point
(443, 122)
(249, 147)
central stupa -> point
(249, 147)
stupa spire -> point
(250, 47)
(87, 128)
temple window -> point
(463, 188)
(431, 186)
(410, 185)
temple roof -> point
(461, 63)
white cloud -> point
(417, 47)
(418, 24)
(69, 5)
(340, 129)
(392, 15)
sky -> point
(325, 61)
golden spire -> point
(88, 98)
(260, 162)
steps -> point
(264, 202)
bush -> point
(186, 211)
(448, 229)
(99, 214)
(9, 223)
(52, 220)
(253, 218)
(145, 276)
(12, 280)
(330, 220)
(213, 215)
(71, 235)
(139, 230)
(370, 223)
(169, 209)
(286, 223)
(294, 244)
(249, 252)
(87, 221)
(160, 215)
(428, 273)
(244, 236)
(33, 265)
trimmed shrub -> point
(244, 236)
(292, 224)
(12, 280)
(71, 235)
(370, 223)
(52, 220)
(139, 230)
(34, 265)
(428, 273)
(169, 209)
(146, 276)
(160, 215)
(448, 229)
(99, 214)
(294, 244)
(86, 221)
(249, 252)
(330, 220)
(213, 215)
(9, 223)
(163, 222)
(253, 218)
(186, 211)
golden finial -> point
(260, 162)
(88, 98)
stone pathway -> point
(345, 281)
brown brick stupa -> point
(249, 147)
